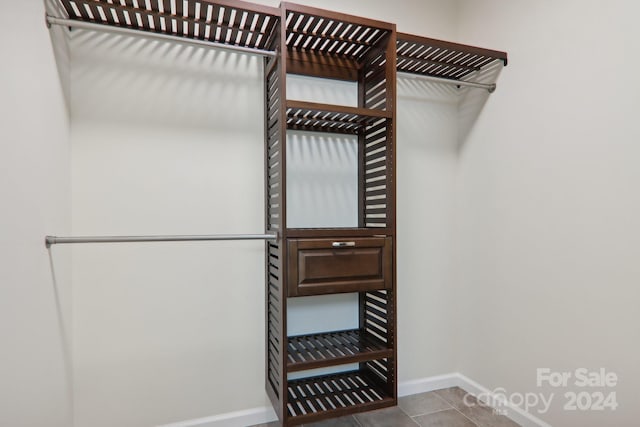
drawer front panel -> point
(323, 266)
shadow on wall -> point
(62, 298)
(136, 79)
(322, 180)
(60, 47)
(426, 115)
(422, 92)
(472, 100)
(419, 89)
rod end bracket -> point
(49, 240)
(492, 88)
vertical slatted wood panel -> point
(377, 314)
(275, 327)
(275, 140)
(378, 318)
(377, 143)
(274, 216)
(375, 183)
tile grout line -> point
(475, 423)
(433, 392)
(443, 399)
(410, 417)
(414, 421)
(435, 412)
(431, 412)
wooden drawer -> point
(327, 266)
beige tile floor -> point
(441, 408)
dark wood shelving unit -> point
(296, 39)
(319, 261)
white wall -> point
(322, 169)
(431, 18)
(165, 141)
(34, 189)
(548, 202)
(426, 165)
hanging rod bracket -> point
(55, 240)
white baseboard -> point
(254, 416)
(244, 418)
(423, 385)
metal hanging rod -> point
(490, 87)
(55, 240)
(52, 20)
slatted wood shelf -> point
(327, 44)
(332, 348)
(329, 33)
(229, 22)
(438, 58)
(315, 117)
(335, 395)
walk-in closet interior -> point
(267, 144)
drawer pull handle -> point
(343, 244)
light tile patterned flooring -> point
(440, 408)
